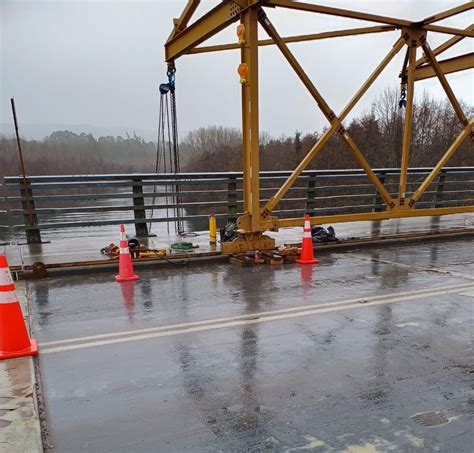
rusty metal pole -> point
(22, 163)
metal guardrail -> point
(318, 192)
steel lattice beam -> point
(448, 66)
(449, 30)
(444, 46)
(185, 39)
(335, 121)
(182, 22)
(300, 38)
(311, 7)
(448, 13)
(207, 26)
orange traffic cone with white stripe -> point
(14, 338)
(307, 255)
(126, 273)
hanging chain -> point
(171, 73)
(402, 103)
(167, 151)
(160, 148)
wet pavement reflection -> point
(128, 295)
(338, 380)
(234, 415)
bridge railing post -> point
(232, 199)
(439, 189)
(377, 200)
(311, 192)
(30, 217)
(139, 212)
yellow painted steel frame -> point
(185, 39)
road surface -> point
(369, 351)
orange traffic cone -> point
(14, 339)
(126, 273)
(307, 256)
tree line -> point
(378, 132)
(65, 152)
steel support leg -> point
(408, 121)
(249, 225)
(250, 115)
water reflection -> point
(392, 272)
(33, 249)
(435, 224)
(41, 301)
(434, 248)
(376, 228)
(228, 404)
(379, 386)
(146, 291)
(375, 263)
(306, 272)
(128, 294)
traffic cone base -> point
(307, 253)
(31, 350)
(313, 261)
(132, 278)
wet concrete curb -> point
(19, 416)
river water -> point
(9, 234)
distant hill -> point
(40, 131)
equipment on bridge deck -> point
(307, 254)
(14, 338)
(183, 246)
(321, 234)
(283, 255)
(258, 215)
(167, 147)
(126, 273)
(212, 229)
(159, 253)
(228, 233)
(111, 250)
(272, 257)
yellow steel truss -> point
(185, 39)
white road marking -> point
(409, 266)
(252, 315)
(407, 324)
(256, 318)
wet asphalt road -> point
(369, 351)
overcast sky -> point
(95, 66)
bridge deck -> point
(79, 248)
(367, 350)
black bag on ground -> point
(320, 234)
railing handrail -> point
(214, 175)
(323, 192)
